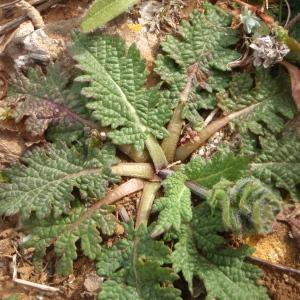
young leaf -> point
(118, 97)
(279, 164)
(247, 206)
(199, 254)
(103, 11)
(221, 165)
(175, 207)
(44, 180)
(44, 100)
(134, 269)
(66, 231)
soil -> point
(277, 247)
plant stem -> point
(187, 149)
(139, 170)
(146, 202)
(194, 187)
(129, 187)
(272, 265)
(174, 127)
(156, 153)
(197, 189)
(136, 156)
(126, 149)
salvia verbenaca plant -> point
(106, 109)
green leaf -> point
(279, 164)
(175, 207)
(64, 233)
(221, 165)
(43, 182)
(198, 101)
(205, 39)
(134, 267)
(118, 96)
(274, 104)
(223, 271)
(103, 11)
(247, 206)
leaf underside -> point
(103, 11)
(43, 100)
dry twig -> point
(32, 13)
(30, 284)
(274, 266)
(43, 5)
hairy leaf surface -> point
(66, 231)
(247, 206)
(118, 96)
(134, 269)
(43, 182)
(279, 164)
(175, 207)
(199, 253)
(274, 104)
(206, 40)
(44, 100)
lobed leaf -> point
(279, 164)
(46, 100)
(175, 207)
(206, 39)
(274, 105)
(134, 269)
(223, 271)
(45, 178)
(65, 232)
(116, 90)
